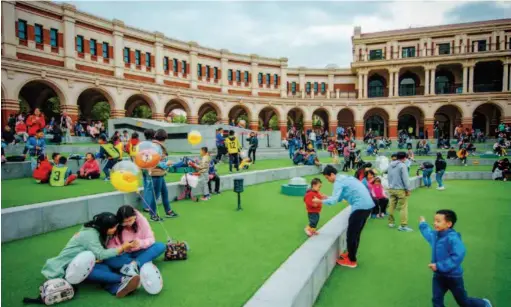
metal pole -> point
(239, 202)
(268, 138)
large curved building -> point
(456, 74)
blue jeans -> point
(291, 151)
(234, 159)
(103, 274)
(108, 166)
(442, 284)
(148, 190)
(439, 179)
(426, 177)
(141, 256)
(160, 187)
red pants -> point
(70, 179)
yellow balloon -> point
(194, 137)
(124, 181)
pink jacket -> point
(91, 166)
(144, 234)
(377, 191)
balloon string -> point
(151, 210)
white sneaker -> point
(129, 269)
(405, 229)
(440, 188)
(392, 225)
(128, 285)
(488, 303)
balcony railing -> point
(446, 88)
(405, 90)
(488, 87)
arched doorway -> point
(449, 79)
(377, 120)
(486, 118)
(209, 114)
(488, 76)
(176, 111)
(239, 113)
(411, 117)
(448, 116)
(268, 119)
(409, 84)
(93, 105)
(43, 95)
(320, 119)
(295, 118)
(346, 118)
(377, 86)
(139, 106)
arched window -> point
(376, 88)
(407, 87)
(442, 85)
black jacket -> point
(440, 165)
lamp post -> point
(238, 188)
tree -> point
(274, 122)
(142, 111)
(179, 119)
(51, 108)
(101, 111)
(209, 118)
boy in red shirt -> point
(313, 209)
(42, 172)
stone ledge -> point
(298, 281)
(25, 221)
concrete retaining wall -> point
(25, 221)
(298, 281)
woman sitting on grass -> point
(93, 237)
(89, 169)
(133, 227)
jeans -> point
(426, 177)
(216, 180)
(148, 190)
(313, 219)
(234, 159)
(252, 151)
(356, 223)
(141, 257)
(160, 187)
(103, 274)
(220, 151)
(108, 166)
(439, 178)
(291, 151)
(442, 284)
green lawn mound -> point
(393, 267)
(232, 252)
(24, 191)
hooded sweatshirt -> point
(448, 250)
(398, 176)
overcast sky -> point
(311, 34)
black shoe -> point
(171, 214)
(156, 218)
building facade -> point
(455, 74)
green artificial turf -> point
(393, 267)
(232, 252)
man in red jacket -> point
(313, 209)
(35, 122)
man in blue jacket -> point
(447, 256)
(36, 145)
(220, 144)
(357, 195)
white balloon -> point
(80, 267)
(382, 164)
(150, 278)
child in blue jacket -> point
(446, 259)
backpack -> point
(53, 291)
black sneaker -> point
(156, 218)
(171, 214)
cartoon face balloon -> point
(124, 176)
(194, 137)
(148, 155)
(150, 278)
(80, 267)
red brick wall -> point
(95, 70)
(33, 58)
(238, 92)
(209, 88)
(138, 78)
(176, 84)
(264, 94)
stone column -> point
(283, 128)
(301, 79)
(158, 116)
(118, 48)
(433, 78)
(307, 124)
(465, 79)
(365, 85)
(223, 78)
(9, 40)
(283, 77)
(193, 120)
(69, 36)
(392, 129)
(158, 57)
(9, 106)
(471, 79)
(360, 84)
(466, 122)
(391, 83)
(193, 64)
(255, 78)
(502, 43)
(117, 113)
(330, 83)
(427, 82)
(359, 129)
(71, 110)
(332, 126)
(396, 85)
(428, 126)
(253, 125)
(505, 78)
